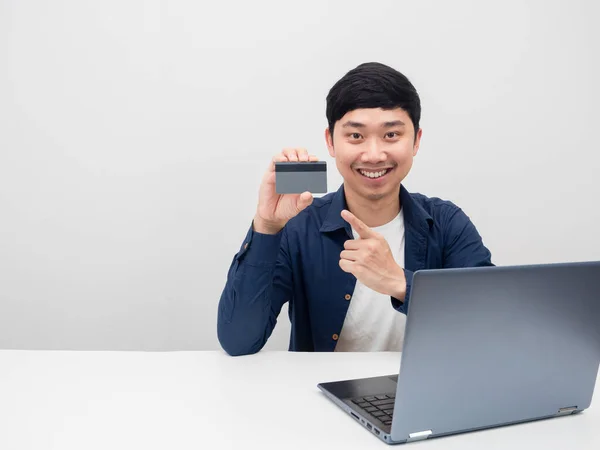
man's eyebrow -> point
(352, 124)
(391, 124)
(394, 123)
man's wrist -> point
(263, 227)
(399, 288)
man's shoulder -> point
(441, 210)
(432, 204)
(324, 201)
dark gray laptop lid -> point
(497, 345)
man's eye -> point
(355, 136)
(392, 134)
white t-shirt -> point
(372, 324)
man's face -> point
(373, 150)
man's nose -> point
(373, 153)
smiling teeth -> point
(373, 174)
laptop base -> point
(369, 401)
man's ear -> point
(329, 142)
(417, 142)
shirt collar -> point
(413, 212)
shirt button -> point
(335, 337)
(347, 296)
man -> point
(345, 261)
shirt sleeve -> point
(463, 246)
(402, 305)
(259, 282)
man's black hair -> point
(372, 85)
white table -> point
(208, 400)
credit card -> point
(297, 177)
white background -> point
(133, 135)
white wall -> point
(133, 135)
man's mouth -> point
(374, 174)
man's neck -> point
(374, 213)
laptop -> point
(485, 347)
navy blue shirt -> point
(300, 265)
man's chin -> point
(374, 197)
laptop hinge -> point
(418, 436)
(567, 410)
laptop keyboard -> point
(379, 406)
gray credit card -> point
(298, 177)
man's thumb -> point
(304, 200)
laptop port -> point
(377, 431)
(355, 416)
(369, 426)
